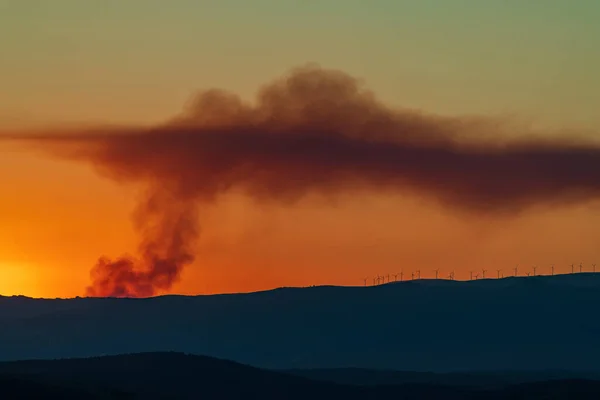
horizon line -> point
(408, 281)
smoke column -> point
(310, 131)
(168, 228)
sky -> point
(69, 62)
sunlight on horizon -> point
(17, 279)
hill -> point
(530, 324)
(180, 376)
(153, 376)
(17, 388)
(475, 379)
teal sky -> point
(140, 60)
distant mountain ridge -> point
(530, 324)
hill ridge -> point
(579, 277)
(531, 323)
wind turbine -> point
(517, 270)
(471, 274)
(528, 273)
(483, 273)
(594, 268)
(388, 275)
(436, 272)
(552, 269)
(412, 276)
(498, 270)
(395, 277)
(401, 276)
(580, 267)
(572, 268)
(365, 279)
(534, 269)
(476, 276)
(419, 274)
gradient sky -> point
(139, 61)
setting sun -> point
(16, 279)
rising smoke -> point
(311, 131)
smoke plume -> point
(311, 131)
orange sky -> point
(57, 217)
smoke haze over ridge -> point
(311, 131)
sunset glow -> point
(58, 215)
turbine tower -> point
(471, 274)
(552, 269)
(483, 273)
(401, 276)
(419, 274)
(534, 269)
(498, 270)
(365, 279)
(517, 270)
(572, 268)
(395, 277)
(594, 268)
(580, 267)
(436, 272)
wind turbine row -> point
(381, 279)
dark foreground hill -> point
(537, 323)
(177, 376)
(483, 380)
(16, 388)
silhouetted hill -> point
(488, 379)
(17, 388)
(528, 324)
(153, 376)
(179, 376)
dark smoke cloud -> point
(312, 131)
